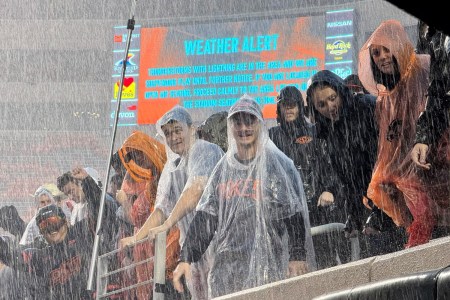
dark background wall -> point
(56, 77)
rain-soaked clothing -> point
(351, 142)
(297, 139)
(63, 266)
(433, 126)
(178, 175)
(32, 231)
(256, 212)
(141, 183)
(17, 285)
(395, 186)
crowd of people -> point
(238, 200)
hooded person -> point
(144, 157)
(347, 124)
(431, 151)
(390, 69)
(190, 161)
(296, 137)
(43, 196)
(254, 208)
(354, 84)
(214, 129)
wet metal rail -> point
(159, 264)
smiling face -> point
(245, 129)
(383, 59)
(327, 102)
(54, 229)
(177, 137)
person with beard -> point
(61, 265)
(296, 137)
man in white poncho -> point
(255, 209)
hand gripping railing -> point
(338, 227)
(159, 265)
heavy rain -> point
(224, 150)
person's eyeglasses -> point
(51, 224)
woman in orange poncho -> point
(144, 159)
(390, 69)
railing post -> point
(356, 249)
(102, 282)
(159, 273)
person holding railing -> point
(144, 159)
(254, 208)
(183, 179)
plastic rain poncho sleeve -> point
(200, 162)
(177, 176)
(251, 201)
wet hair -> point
(318, 85)
(64, 179)
(117, 179)
(117, 164)
(352, 81)
(388, 80)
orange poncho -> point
(141, 182)
(395, 186)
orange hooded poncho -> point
(395, 186)
(142, 182)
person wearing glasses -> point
(253, 201)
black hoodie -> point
(298, 141)
(351, 141)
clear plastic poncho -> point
(178, 174)
(251, 199)
(180, 171)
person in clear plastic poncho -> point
(254, 207)
(190, 161)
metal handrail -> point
(339, 227)
(159, 272)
